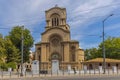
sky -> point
(85, 18)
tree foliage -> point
(112, 49)
(12, 52)
(11, 65)
(90, 53)
(2, 50)
(10, 47)
(8, 52)
(15, 37)
(1, 36)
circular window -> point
(55, 42)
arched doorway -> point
(55, 57)
(55, 48)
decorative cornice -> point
(55, 28)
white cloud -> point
(31, 9)
(80, 13)
(90, 11)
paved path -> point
(81, 77)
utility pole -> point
(104, 55)
(22, 44)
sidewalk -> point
(53, 76)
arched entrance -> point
(55, 57)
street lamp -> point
(22, 39)
(104, 56)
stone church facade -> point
(56, 43)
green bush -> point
(11, 65)
(3, 66)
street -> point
(86, 77)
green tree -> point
(1, 36)
(15, 37)
(11, 65)
(112, 49)
(2, 50)
(12, 52)
(91, 53)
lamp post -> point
(22, 39)
(104, 55)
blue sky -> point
(84, 17)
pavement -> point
(66, 77)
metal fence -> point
(15, 74)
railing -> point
(43, 73)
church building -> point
(56, 43)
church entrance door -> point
(55, 63)
(55, 66)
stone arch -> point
(55, 36)
(55, 56)
(55, 11)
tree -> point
(2, 50)
(112, 49)
(15, 37)
(1, 36)
(12, 52)
(91, 53)
(8, 53)
(11, 65)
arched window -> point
(73, 53)
(55, 22)
(55, 19)
(73, 57)
(52, 22)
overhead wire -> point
(80, 11)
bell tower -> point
(56, 17)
